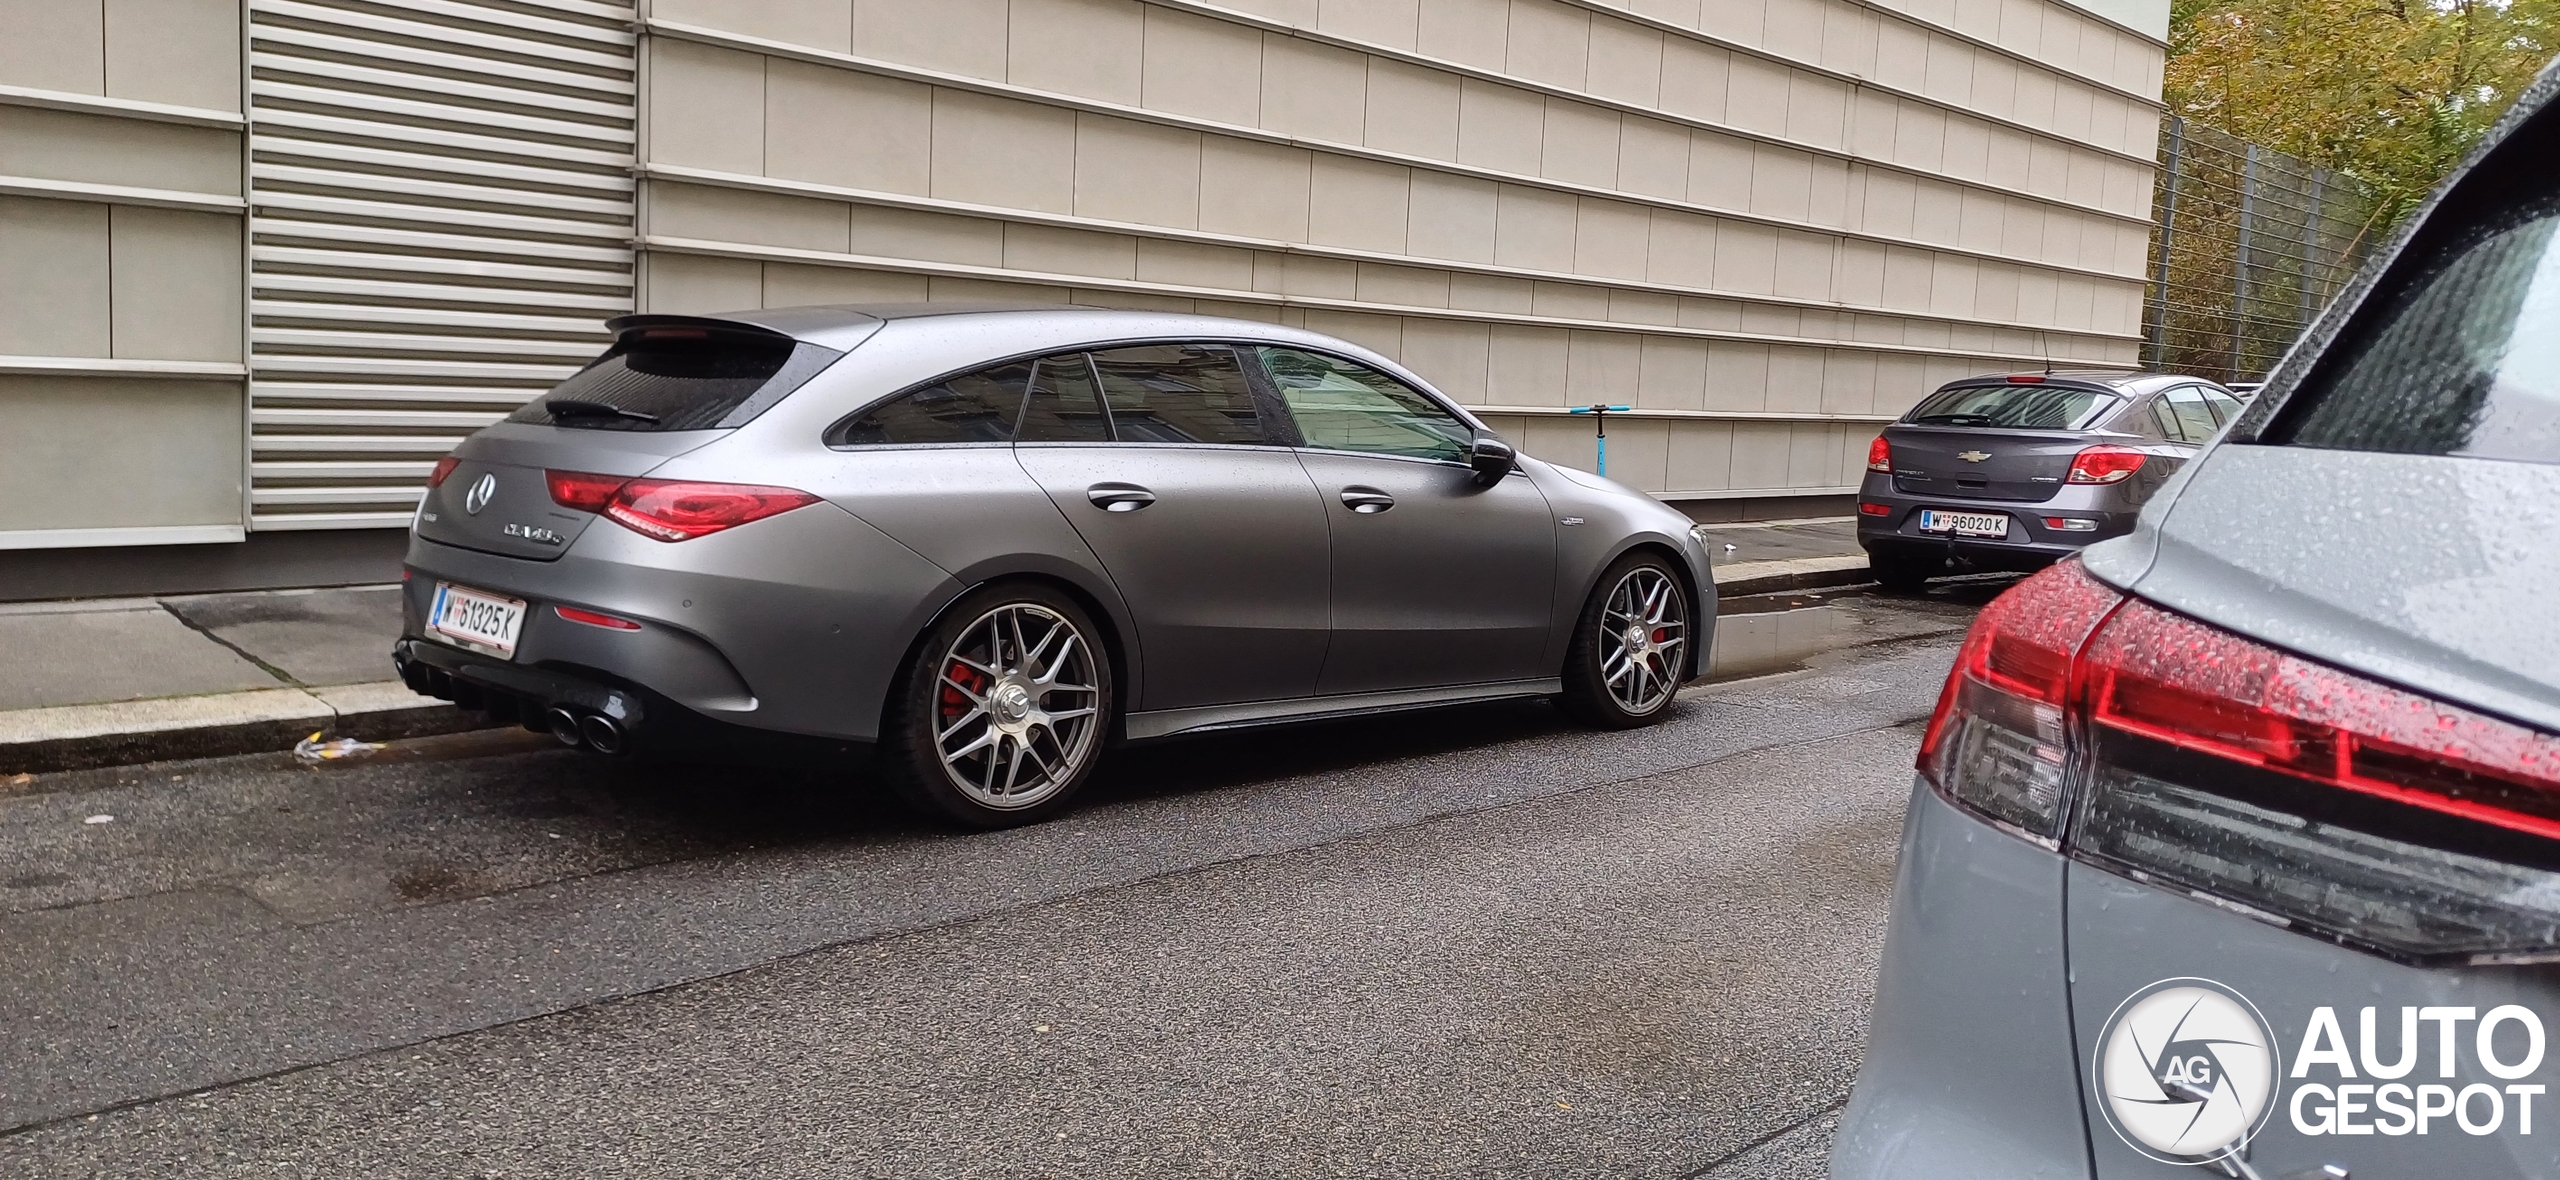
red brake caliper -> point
(955, 702)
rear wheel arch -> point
(1115, 643)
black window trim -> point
(1266, 395)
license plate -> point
(1964, 524)
(476, 620)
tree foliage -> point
(2391, 92)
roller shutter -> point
(441, 217)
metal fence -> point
(2247, 245)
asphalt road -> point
(1474, 941)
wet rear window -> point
(2015, 407)
(679, 379)
(2463, 361)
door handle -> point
(1119, 497)
(1366, 500)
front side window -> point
(975, 407)
(1342, 406)
(2463, 361)
(1178, 393)
(2014, 406)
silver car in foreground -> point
(990, 542)
(2236, 845)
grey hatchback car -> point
(2235, 847)
(986, 543)
(2017, 471)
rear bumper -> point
(1970, 1069)
(793, 625)
(2033, 540)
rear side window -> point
(2463, 361)
(1178, 393)
(1065, 406)
(975, 407)
(2015, 407)
(2195, 417)
(655, 379)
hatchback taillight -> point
(2172, 751)
(1997, 742)
(671, 509)
(2105, 464)
(1880, 455)
(444, 469)
(679, 510)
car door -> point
(1198, 510)
(1439, 577)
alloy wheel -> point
(1017, 707)
(1643, 624)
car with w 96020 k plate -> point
(2014, 472)
(989, 542)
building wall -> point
(1769, 227)
(120, 267)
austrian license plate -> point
(486, 622)
(1964, 524)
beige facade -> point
(1767, 225)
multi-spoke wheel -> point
(1002, 714)
(1631, 646)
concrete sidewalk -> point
(108, 682)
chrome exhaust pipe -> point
(563, 725)
(603, 735)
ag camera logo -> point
(2188, 1071)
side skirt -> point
(1206, 718)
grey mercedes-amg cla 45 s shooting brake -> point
(2235, 849)
(991, 542)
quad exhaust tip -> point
(563, 725)
(601, 733)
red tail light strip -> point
(2175, 680)
(671, 509)
(444, 469)
(2024, 642)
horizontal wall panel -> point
(440, 218)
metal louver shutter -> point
(440, 219)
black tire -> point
(929, 714)
(1907, 573)
(1604, 631)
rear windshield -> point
(2016, 407)
(2464, 361)
(679, 379)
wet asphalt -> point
(1474, 941)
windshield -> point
(2465, 361)
(2015, 407)
(679, 379)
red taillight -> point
(2105, 464)
(593, 619)
(2174, 680)
(1996, 741)
(678, 510)
(1875, 509)
(444, 468)
(584, 491)
(1880, 455)
(2027, 379)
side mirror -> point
(1492, 458)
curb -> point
(122, 733)
(1799, 573)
